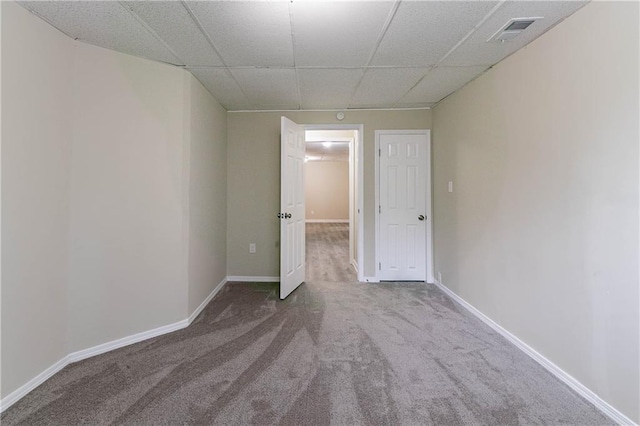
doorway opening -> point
(332, 204)
(292, 201)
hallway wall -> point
(327, 190)
(541, 230)
(113, 197)
(207, 250)
(126, 197)
(36, 159)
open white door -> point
(292, 220)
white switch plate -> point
(450, 186)
(252, 248)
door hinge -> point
(379, 266)
(379, 209)
(379, 152)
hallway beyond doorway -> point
(327, 254)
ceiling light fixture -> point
(327, 144)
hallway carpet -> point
(327, 252)
(341, 353)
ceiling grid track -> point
(153, 33)
(385, 27)
(215, 49)
(293, 47)
(458, 44)
(44, 18)
(397, 55)
(473, 30)
(414, 86)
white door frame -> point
(359, 182)
(353, 209)
(429, 224)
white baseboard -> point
(19, 393)
(245, 278)
(565, 377)
(16, 395)
(370, 279)
(327, 220)
(355, 265)
(126, 341)
(206, 301)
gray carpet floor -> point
(328, 253)
(341, 353)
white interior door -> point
(292, 220)
(402, 210)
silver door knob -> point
(421, 217)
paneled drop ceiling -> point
(306, 54)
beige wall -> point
(113, 195)
(207, 194)
(254, 181)
(127, 197)
(327, 190)
(541, 231)
(36, 142)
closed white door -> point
(402, 210)
(292, 213)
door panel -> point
(292, 213)
(402, 235)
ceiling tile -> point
(337, 34)
(476, 51)
(327, 88)
(269, 87)
(223, 87)
(103, 23)
(248, 33)
(440, 82)
(422, 32)
(383, 87)
(173, 24)
(333, 41)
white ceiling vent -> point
(511, 29)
